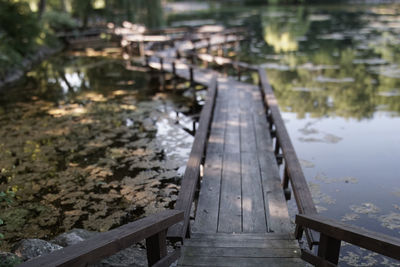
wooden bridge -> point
(240, 215)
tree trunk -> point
(41, 7)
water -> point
(335, 71)
(85, 143)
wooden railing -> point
(190, 180)
(152, 228)
(284, 149)
(333, 232)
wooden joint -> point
(298, 232)
(279, 159)
(161, 64)
(309, 257)
(273, 133)
(174, 69)
(191, 75)
(285, 182)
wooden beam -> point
(309, 257)
(302, 194)
(376, 242)
(108, 243)
(156, 247)
(192, 172)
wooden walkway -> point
(241, 217)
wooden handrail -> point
(333, 232)
(190, 179)
(151, 228)
(293, 170)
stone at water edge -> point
(31, 248)
(133, 256)
(73, 237)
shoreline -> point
(27, 64)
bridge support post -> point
(329, 248)
(156, 247)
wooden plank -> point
(243, 236)
(276, 207)
(247, 135)
(224, 61)
(191, 176)
(254, 218)
(278, 215)
(300, 188)
(254, 243)
(254, 213)
(376, 242)
(108, 243)
(238, 261)
(230, 212)
(242, 252)
(208, 205)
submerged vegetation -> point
(95, 154)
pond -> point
(335, 71)
(86, 143)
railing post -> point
(285, 183)
(329, 248)
(161, 65)
(141, 48)
(277, 146)
(147, 59)
(191, 76)
(156, 247)
(174, 68)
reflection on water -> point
(335, 71)
(85, 143)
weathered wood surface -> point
(192, 172)
(108, 243)
(240, 197)
(242, 249)
(302, 194)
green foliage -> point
(19, 27)
(19, 32)
(59, 21)
(10, 261)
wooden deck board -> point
(240, 261)
(208, 204)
